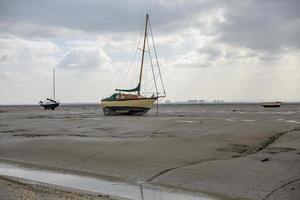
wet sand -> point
(226, 151)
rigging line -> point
(156, 58)
(150, 57)
(54, 83)
(127, 71)
(128, 68)
(156, 76)
(149, 81)
(130, 60)
(149, 86)
(130, 63)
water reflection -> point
(95, 185)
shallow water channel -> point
(95, 185)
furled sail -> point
(130, 90)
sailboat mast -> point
(143, 54)
(53, 83)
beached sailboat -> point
(50, 104)
(131, 101)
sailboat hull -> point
(50, 106)
(128, 106)
(271, 104)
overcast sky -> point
(208, 49)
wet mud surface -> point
(227, 151)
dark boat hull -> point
(50, 106)
(271, 106)
(125, 110)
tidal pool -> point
(139, 191)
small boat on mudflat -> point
(50, 104)
(271, 104)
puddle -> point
(248, 120)
(95, 185)
(187, 121)
(292, 121)
(96, 118)
(280, 119)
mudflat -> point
(228, 151)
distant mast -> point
(50, 103)
(54, 84)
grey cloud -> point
(211, 52)
(97, 15)
(261, 25)
(3, 58)
(85, 58)
(256, 24)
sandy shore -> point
(11, 188)
(235, 153)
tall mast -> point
(142, 63)
(53, 83)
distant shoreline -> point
(175, 103)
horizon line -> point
(174, 102)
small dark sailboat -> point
(50, 104)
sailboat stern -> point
(127, 106)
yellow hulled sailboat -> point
(131, 101)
